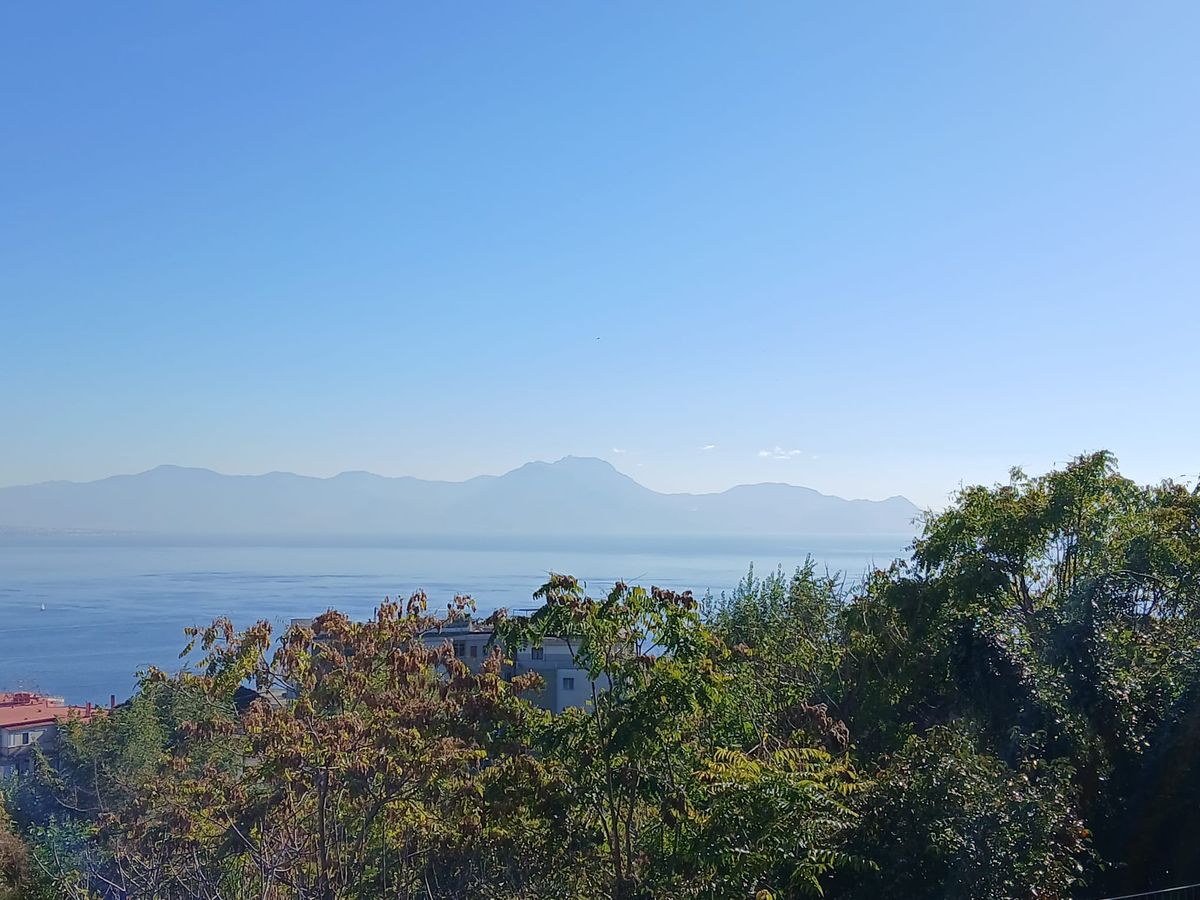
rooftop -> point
(25, 708)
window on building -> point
(538, 653)
(474, 651)
(460, 648)
(24, 737)
(568, 683)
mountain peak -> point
(579, 464)
(584, 462)
(168, 470)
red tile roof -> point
(24, 708)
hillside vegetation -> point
(1012, 712)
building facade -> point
(28, 722)
(564, 685)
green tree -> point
(945, 821)
(1059, 615)
(677, 802)
(783, 647)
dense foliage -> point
(1014, 712)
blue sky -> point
(876, 250)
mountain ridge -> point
(576, 495)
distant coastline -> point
(584, 498)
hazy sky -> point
(875, 250)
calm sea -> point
(114, 605)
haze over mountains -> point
(574, 496)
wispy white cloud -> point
(778, 452)
(709, 447)
(619, 450)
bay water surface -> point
(81, 614)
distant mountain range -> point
(574, 496)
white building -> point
(564, 684)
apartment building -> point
(27, 722)
(564, 684)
